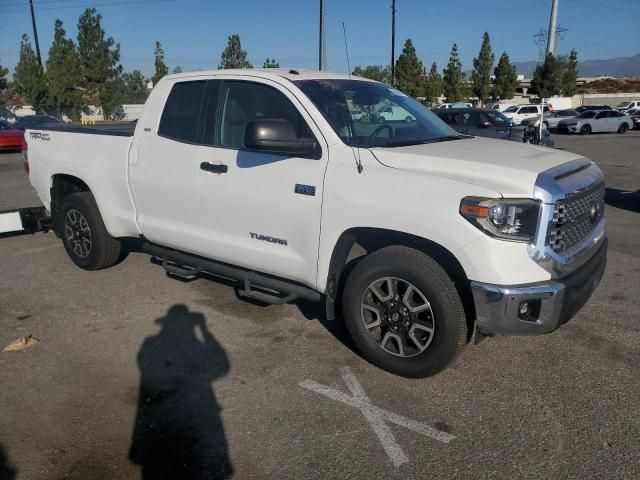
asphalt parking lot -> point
(277, 392)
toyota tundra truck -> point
(420, 239)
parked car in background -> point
(393, 114)
(461, 105)
(584, 108)
(34, 121)
(518, 113)
(356, 115)
(10, 137)
(550, 120)
(480, 123)
(502, 106)
(626, 106)
(634, 115)
(596, 121)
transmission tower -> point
(540, 39)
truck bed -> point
(116, 130)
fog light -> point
(524, 309)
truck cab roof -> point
(288, 73)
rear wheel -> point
(404, 313)
(585, 130)
(623, 128)
(408, 119)
(381, 119)
(84, 235)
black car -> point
(481, 123)
(584, 108)
(31, 121)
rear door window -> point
(181, 114)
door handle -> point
(212, 167)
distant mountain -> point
(612, 67)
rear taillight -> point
(25, 155)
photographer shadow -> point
(178, 431)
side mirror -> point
(276, 135)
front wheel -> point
(585, 130)
(403, 312)
(381, 119)
(623, 128)
(84, 235)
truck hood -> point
(508, 168)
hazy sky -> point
(193, 33)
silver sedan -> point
(550, 120)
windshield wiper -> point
(406, 143)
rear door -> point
(601, 122)
(163, 171)
(261, 210)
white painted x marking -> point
(377, 417)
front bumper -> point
(551, 303)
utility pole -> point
(322, 42)
(553, 26)
(393, 42)
(35, 32)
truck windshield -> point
(386, 117)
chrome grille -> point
(575, 217)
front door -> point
(260, 210)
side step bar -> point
(188, 266)
(26, 220)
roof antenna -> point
(346, 49)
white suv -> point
(518, 113)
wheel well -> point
(355, 243)
(61, 187)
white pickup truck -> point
(421, 238)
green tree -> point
(433, 84)
(379, 73)
(270, 63)
(453, 77)
(135, 87)
(63, 73)
(506, 78)
(569, 74)
(178, 69)
(546, 78)
(409, 71)
(161, 67)
(98, 60)
(482, 66)
(29, 77)
(233, 56)
(3, 77)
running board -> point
(24, 221)
(188, 266)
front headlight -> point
(507, 219)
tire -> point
(623, 128)
(432, 292)
(81, 221)
(381, 119)
(585, 130)
(545, 125)
(408, 119)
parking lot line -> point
(377, 417)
